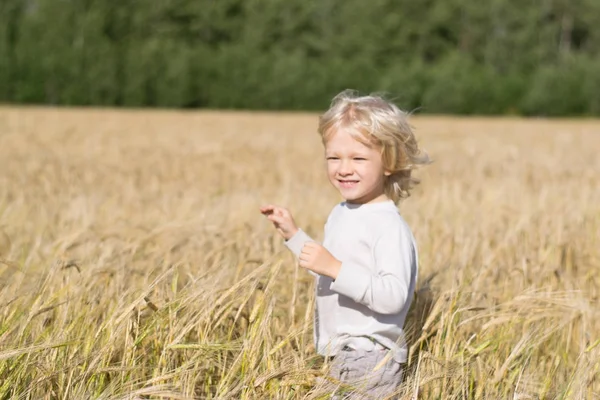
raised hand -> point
(282, 220)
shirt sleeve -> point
(297, 242)
(385, 289)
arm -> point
(385, 290)
(297, 242)
(295, 238)
(313, 256)
(282, 220)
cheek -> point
(330, 169)
(374, 173)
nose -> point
(345, 168)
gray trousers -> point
(362, 375)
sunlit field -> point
(134, 263)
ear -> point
(387, 173)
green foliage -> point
(569, 88)
(459, 85)
(451, 56)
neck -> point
(379, 199)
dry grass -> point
(136, 264)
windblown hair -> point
(375, 121)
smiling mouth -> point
(347, 183)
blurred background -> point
(520, 57)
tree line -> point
(523, 57)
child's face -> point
(355, 169)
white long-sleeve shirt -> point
(369, 300)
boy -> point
(366, 268)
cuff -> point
(352, 281)
(296, 242)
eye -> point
(332, 158)
(359, 159)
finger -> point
(267, 209)
(310, 246)
(276, 218)
(306, 249)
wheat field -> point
(134, 263)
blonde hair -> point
(375, 121)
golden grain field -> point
(135, 264)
